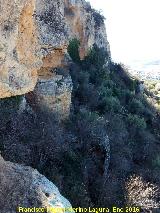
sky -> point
(133, 28)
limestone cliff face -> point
(24, 187)
(18, 47)
(61, 20)
(58, 22)
(34, 35)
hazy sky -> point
(133, 28)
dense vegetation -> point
(133, 122)
(108, 146)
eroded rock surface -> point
(52, 94)
(18, 48)
(34, 35)
(24, 187)
(59, 21)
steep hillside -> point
(127, 111)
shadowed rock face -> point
(52, 94)
(24, 187)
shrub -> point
(96, 57)
(11, 102)
(124, 95)
(73, 50)
(87, 115)
(89, 125)
(8, 108)
(116, 128)
(156, 162)
(136, 121)
(98, 18)
(110, 104)
(104, 91)
(121, 76)
(136, 106)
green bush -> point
(108, 83)
(104, 91)
(8, 108)
(136, 121)
(136, 106)
(110, 104)
(124, 95)
(96, 57)
(87, 116)
(156, 162)
(73, 50)
(132, 85)
(11, 102)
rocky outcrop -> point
(52, 94)
(58, 22)
(34, 35)
(18, 48)
(61, 20)
(24, 187)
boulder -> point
(23, 187)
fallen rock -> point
(24, 187)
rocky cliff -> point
(34, 35)
(23, 187)
(18, 48)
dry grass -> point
(141, 193)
